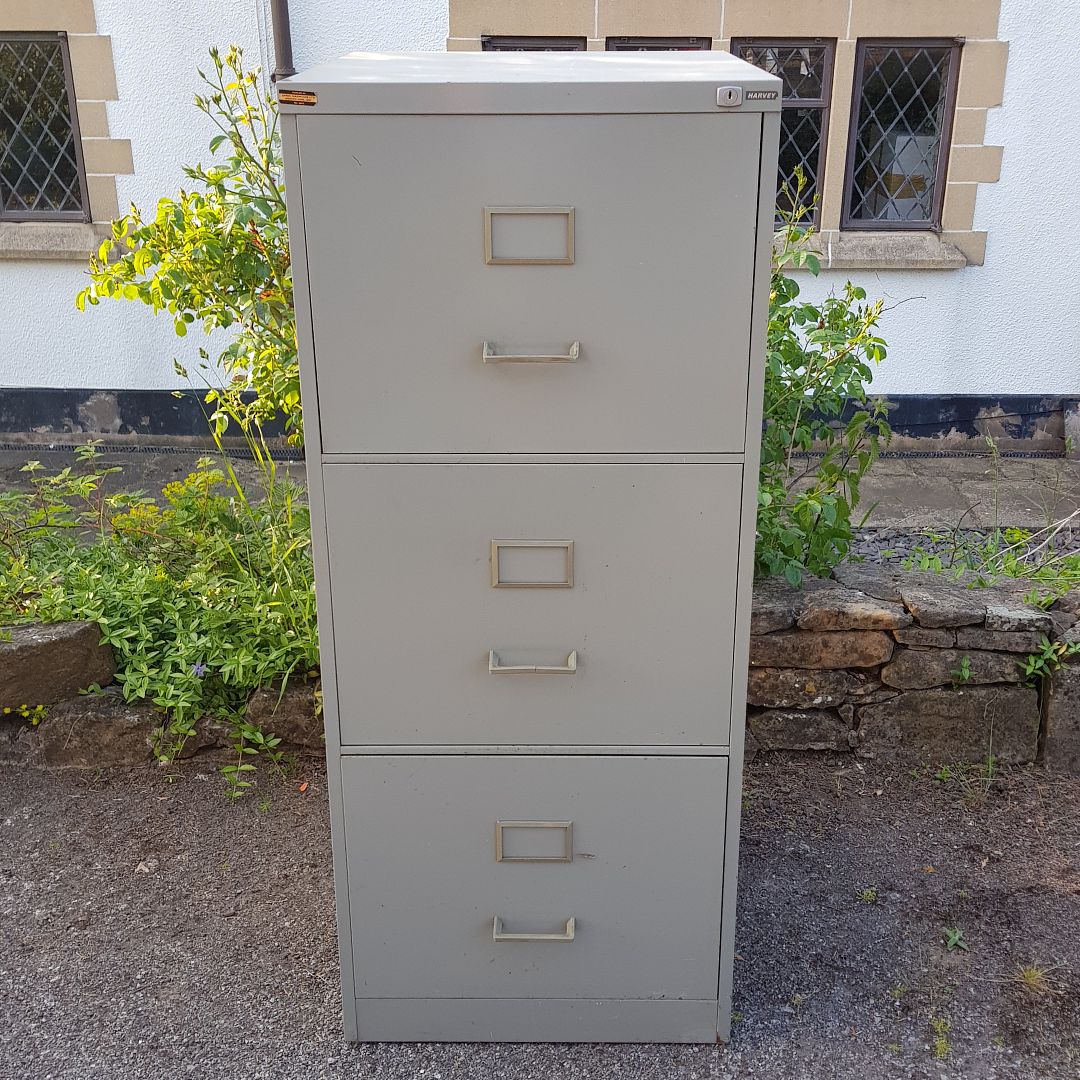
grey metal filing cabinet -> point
(531, 299)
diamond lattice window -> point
(901, 119)
(41, 173)
(806, 70)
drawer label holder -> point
(546, 253)
(566, 855)
(566, 581)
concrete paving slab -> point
(905, 492)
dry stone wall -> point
(874, 662)
(902, 665)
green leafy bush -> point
(202, 598)
(219, 255)
(818, 364)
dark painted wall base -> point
(922, 423)
(151, 415)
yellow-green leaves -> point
(219, 255)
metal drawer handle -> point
(498, 934)
(493, 356)
(531, 669)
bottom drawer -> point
(607, 885)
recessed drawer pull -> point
(492, 355)
(531, 669)
(498, 934)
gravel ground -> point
(151, 929)
(889, 545)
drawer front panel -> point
(614, 321)
(643, 886)
(617, 629)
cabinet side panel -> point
(290, 138)
(759, 320)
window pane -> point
(901, 115)
(800, 147)
(802, 67)
(39, 170)
(532, 44)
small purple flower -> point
(198, 669)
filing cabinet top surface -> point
(531, 83)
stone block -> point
(291, 716)
(800, 688)
(821, 649)
(841, 608)
(944, 604)
(924, 635)
(46, 663)
(777, 604)
(945, 725)
(881, 582)
(1005, 613)
(1017, 641)
(750, 747)
(1061, 748)
(799, 729)
(918, 669)
(97, 731)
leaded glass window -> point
(901, 122)
(41, 171)
(806, 70)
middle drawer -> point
(462, 615)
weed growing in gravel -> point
(1046, 557)
(867, 895)
(953, 938)
(973, 779)
(939, 1028)
(249, 742)
(1034, 980)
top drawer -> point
(404, 295)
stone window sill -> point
(887, 251)
(74, 241)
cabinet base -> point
(535, 1020)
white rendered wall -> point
(44, 341)
(1010, 326)
(157, 45)
(324, 29)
